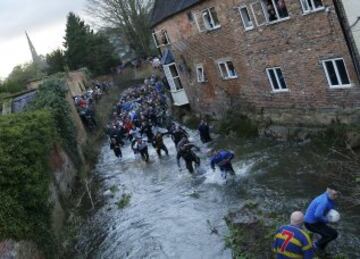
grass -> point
(114, 189)
(234, 123)
(124, 201)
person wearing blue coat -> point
(222, 159)
(316, 220)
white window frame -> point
(211, 17)
(277, 80)
(161, 31)
(247, 28)
(341, 85)
(311, 10)
(203, 79)
(266, 15)
(254, 15)
(225, 62)
(172, 79)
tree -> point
(84, 48)
(20, 76)
(102, 54)
(131, 17)
(55, 61)
(76, 42)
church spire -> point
(35, 56)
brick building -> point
(284, 59)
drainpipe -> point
(346, 29)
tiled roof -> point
(163, 9)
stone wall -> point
(297, 45)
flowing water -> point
(174, 215)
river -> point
(174, 215)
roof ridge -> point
(164, 9)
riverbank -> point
(281, 174)
(283, 177)
(168, 213)
(84, 201)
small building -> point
(288, 60)
(17, 102)
(77, 82)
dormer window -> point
(207, 20)
(161, 38)
(210, 19)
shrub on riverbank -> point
(52, 96)
(238, 124)
(26, 140)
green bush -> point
(124, 201)
(240, 124)
(51, 95)
(26, 140)
(20, 76)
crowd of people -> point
(85, 103)
(140, 119)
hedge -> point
(26, 140)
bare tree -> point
(131, 18)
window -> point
(276, 79)
(275, 10)
(175, 77)
(227, 69)
(161, 38)
(210, 19)
(336, 73)
(311, 5)
(200, 74)
(258, 13)
(267, 11)
(246, 19)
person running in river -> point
(185, 151)
(316, 220)
(223, 160)
(117, 132)
(134, 133)
(116, 147)
(177, 133)
(204, 131)
(291, 241)
(146, 128)
(140, 146)
(158, 143)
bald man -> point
(291, 241)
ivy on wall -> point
(25, 143)
(51, 96)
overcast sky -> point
(44, 20)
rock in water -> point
(107, 193)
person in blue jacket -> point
(223, 160)
(291, 241)
(315, 217)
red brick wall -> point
(296, 45)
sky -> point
(44, 20)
